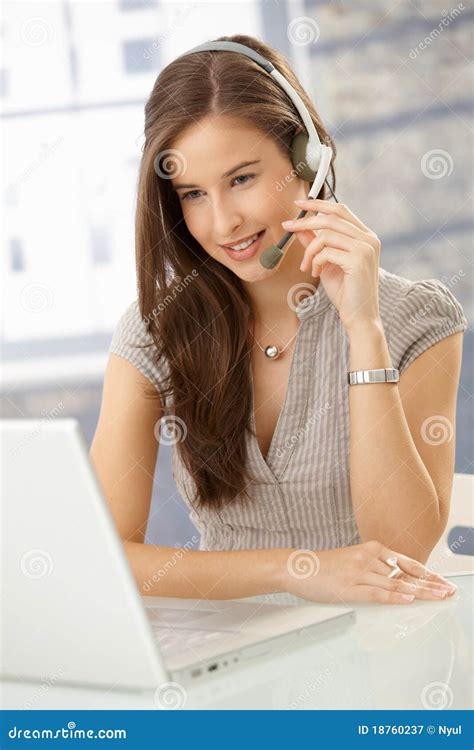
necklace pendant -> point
(272, 352)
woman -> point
(261, 443)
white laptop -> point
(71, 610)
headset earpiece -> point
(305, 160)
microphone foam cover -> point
(271, 256)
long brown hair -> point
(207, 347)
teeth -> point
(243, 245)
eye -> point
(186, 196)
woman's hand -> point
(359, 574)
(345, 254)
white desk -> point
(412, 656)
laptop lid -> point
(71, 608)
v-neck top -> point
(300, 493)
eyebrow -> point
(227, 174)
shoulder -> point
(132, 341)
(416, 314)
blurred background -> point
(391, 81)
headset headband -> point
(314, 144)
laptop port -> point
(196, 672)
(212, 667)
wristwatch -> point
(383, 375)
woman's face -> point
(219, 209)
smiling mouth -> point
(247, 252)
(232, 247)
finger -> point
(413, 567)
(363, 593)
(331, 255)
(382, 568)
(330, 207)
(330, 223)
(332, 239)
(396, 584)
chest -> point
(270, 385)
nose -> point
(226, 218)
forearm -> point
(194, 574)
(393, 496)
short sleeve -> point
(425, 314)
(128, 340)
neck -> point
(272, 298)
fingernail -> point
(299, 202)
(287, 223)
(441, 594)
(408, 597)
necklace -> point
(273, 351)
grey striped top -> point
(301, 493)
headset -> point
(311, 158)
